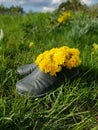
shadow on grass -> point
(88, 74)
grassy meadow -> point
(73, 106)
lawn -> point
(73, 106)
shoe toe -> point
(26, 69)
(21, 88)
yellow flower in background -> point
(60, 19)
(53, 60)
(95, 46)
(63, 17)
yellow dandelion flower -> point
(54, 69)
(60, 20)
(63, 17)
(74, 51)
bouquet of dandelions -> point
(52, 61)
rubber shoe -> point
(38, 83)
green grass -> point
(73, 106)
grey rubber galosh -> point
(26, 69)
(38, 83)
